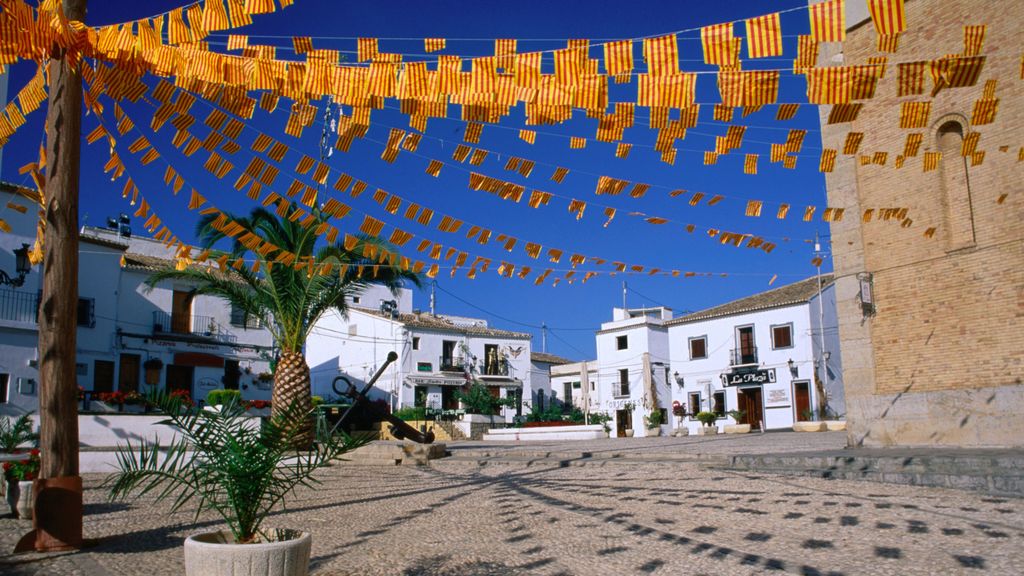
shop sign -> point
(749, 377)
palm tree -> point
(288, 299)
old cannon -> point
(398, 427)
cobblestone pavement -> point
(634, 517)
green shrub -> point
(707, 418)
(478, 400)
(15, 432)
(222, 397)
(411, 413)
(737, 415)
(655, 418)
(601, 418)
(552, 413)
(316, 400)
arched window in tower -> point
(956, 186)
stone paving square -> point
(609, 517)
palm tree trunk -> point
(292, 394)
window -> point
(698, 347)
(566, 396)
(693, 403)
(955, 186)
(241, 319)
(782, 336)
(624, 382)
(621, 342)
(355, 299)
(415, 342)
(746, 351)
(5, 380)
(719, 407)
(86, 312)
(81, 369)
(424, 367)
(575, 385)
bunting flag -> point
(828, 21)
(559, 174)
(842, 113)
(434, 168)
(754, 208)
(786, 111)
(955, 72)
(806, 54)
(661, 55)
(974, 39)
(984, 111)
(888, 16)
(750, 164)
(828, 160)
(366, 49)
(852, 144)
(879, 62)
(899, 161)
(618, 58)
(576, 142)
(718, 43)
(723, 113)
(473, 132)
(931, 161)
(764, 36)
(910, 78)
(622, 150)
(990, 89)
(879, 158)
(889, 43)
(710, 158)
(433, 44)
(913, 144)
(970, 144)
(528, 136)
(915, 114)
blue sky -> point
(572, 311)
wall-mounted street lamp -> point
(21, 265)
(793, 369)
(678, 379)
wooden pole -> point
(58, 506)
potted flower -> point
(708, 419)
(654, 420)
(135, 402)
(738, 427)
(628, 407)
(224, 464)
(153, 366)
(19, 476)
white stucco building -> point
(774, 356)
(201, 343)
(543, 366)
(435, 353)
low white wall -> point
(592, 432)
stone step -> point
(462, 462)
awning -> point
(502, 381)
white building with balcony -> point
(436, 352)
(773, 356)
(123, 326)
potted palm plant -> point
(227, 463)
(707, 419)
(654, 420)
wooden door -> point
(232, 374)
(751, 403)
(181, 312)
(802, 399)
(623, 420)
(128, 375)
(179, 378)
(103, 376)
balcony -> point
(16, 306)
(743, 356)
(451, 364)
(195, 326)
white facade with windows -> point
(761, 356)
(435, 353)
(201, 345)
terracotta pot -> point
(215, 554)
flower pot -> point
(737, 428)
(629, 432)
(707, 430)
(216, 554)
(809, 427)
(656, 431)
(19, 498)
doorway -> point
(181, 312)
(103, 376)
(128, 376)
(179, 378)
(623, 420)
(232, 374)
(750, 402)
(802, 400)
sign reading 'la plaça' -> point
(751, 377)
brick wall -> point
(949, 308)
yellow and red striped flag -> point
(723, 113)
(717, 41)
(955, 72)
(899, 161)
(888, 16)
(977, 158)
(910, 78)
(760, 87)
(974, 39)
(710, 159)
(528, 136)
(786, 111)
(852, 143)
(577, 142)
(618, 57)
(888, 43)
(970, 144)
(806, 54)
(984, 111)
(915, 114)
(931, 161)
(778, 153)
(990, 88)
(880, 158)
(913, 144)
(828, 85)
(764, 36)
(879, 63)
(795, 141)
(828, 21)
(433, 44)
(827, 163)
(366, 49)
(661, 55)
(622, 150)
(841, 113)
(750, 164)
(754, 208)
(505, 53)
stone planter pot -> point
(835, 425)
(737, 428)
(629, 432)
(654, 431)
(707, 430)
(211, 554)
(134, 409)
(809, 427)
(19, 498)
(681, 431)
